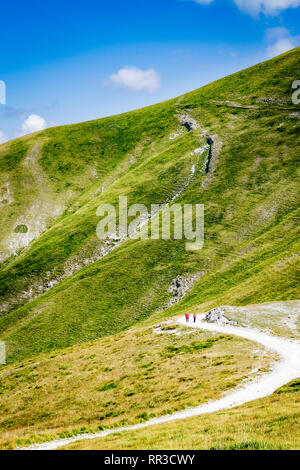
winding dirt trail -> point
(284, 371)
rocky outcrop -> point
(272, 100)
(294, 115)
(188, 122)
(210, 142)
(179, 287)
(213, 159)
(217, 315)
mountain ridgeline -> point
(232, 145)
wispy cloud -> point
(136, 79)
(255, 7)
(204, 2)
(267, 7)
(33, 123)
(12, 113)
(2, 92)
(3, 137)
(279, 41)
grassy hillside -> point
(52, 183)
(122, 380)
(268, 424)
(147, 372)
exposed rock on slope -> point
(210, 142)
(187, 121)
(217, 315)
(180, 287)
(213, 159)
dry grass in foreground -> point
(266, 424)
(121, 380)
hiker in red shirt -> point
(195, 317)
(187, 317)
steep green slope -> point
(250, 195)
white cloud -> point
(3, 137)
(280, 46)
(136, 79)
(280, 41)
(268, 7)
(204, 2)
(33, 123)
(255, 7)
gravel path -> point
(284, 371)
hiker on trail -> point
(187, 317)
(195, 317)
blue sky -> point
(73, 60)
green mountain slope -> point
(57, 288)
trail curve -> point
(286, 369)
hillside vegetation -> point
(56, 286)
(118, 381)
(271, 423)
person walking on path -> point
(195, 317)
(187, 317)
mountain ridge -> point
(250, 195)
